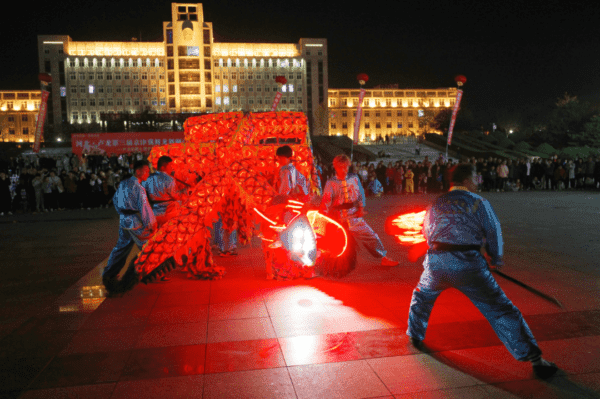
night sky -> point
(514, 54)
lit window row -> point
(253, 63)
(112, 63)
(114, 76)
(257, 76)
(257, 100)
(101, 102)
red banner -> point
(358, 115)
(122, 143)
(454, 112)
(276, 101)
(39, 128)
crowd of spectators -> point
(493, 174)
(44, 183)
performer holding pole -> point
(455, 226)
(137, 223)
(162, 191)
(344, 194)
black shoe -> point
(418, 344)
(545, 371)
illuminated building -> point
(185, 73)
(18, 115)
(387, 111)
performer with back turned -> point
(456, 226)
(137, 223)
(162, 193)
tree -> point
(591, 133)
(566, 122)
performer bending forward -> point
(455, 227)
(137, 223)
(343, 188)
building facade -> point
(185, 73)
(391, 111)
(18, 115)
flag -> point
(358, 115)
(454, 112)
(39, 128)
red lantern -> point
(44, 77)
(362, 78)
(460, 80)
(280, 80)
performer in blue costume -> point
(163, 194)
(291, 183)
(456, 226)
(137, 223)
(162, 191)
(344, 190)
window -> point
(367, 125)
(25, 131)
(99, 76)
(109, 76)
(344, 113)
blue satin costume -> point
(460, 217)
(290, 180)
(291, 184)
(162, 192)
(137, 223)
(334, 195)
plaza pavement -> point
(246, 337)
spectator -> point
(83, 191)
(38, 188)
(96, 193)
(502, 171)
(70, 185)
(560, 177)
(5, 196)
